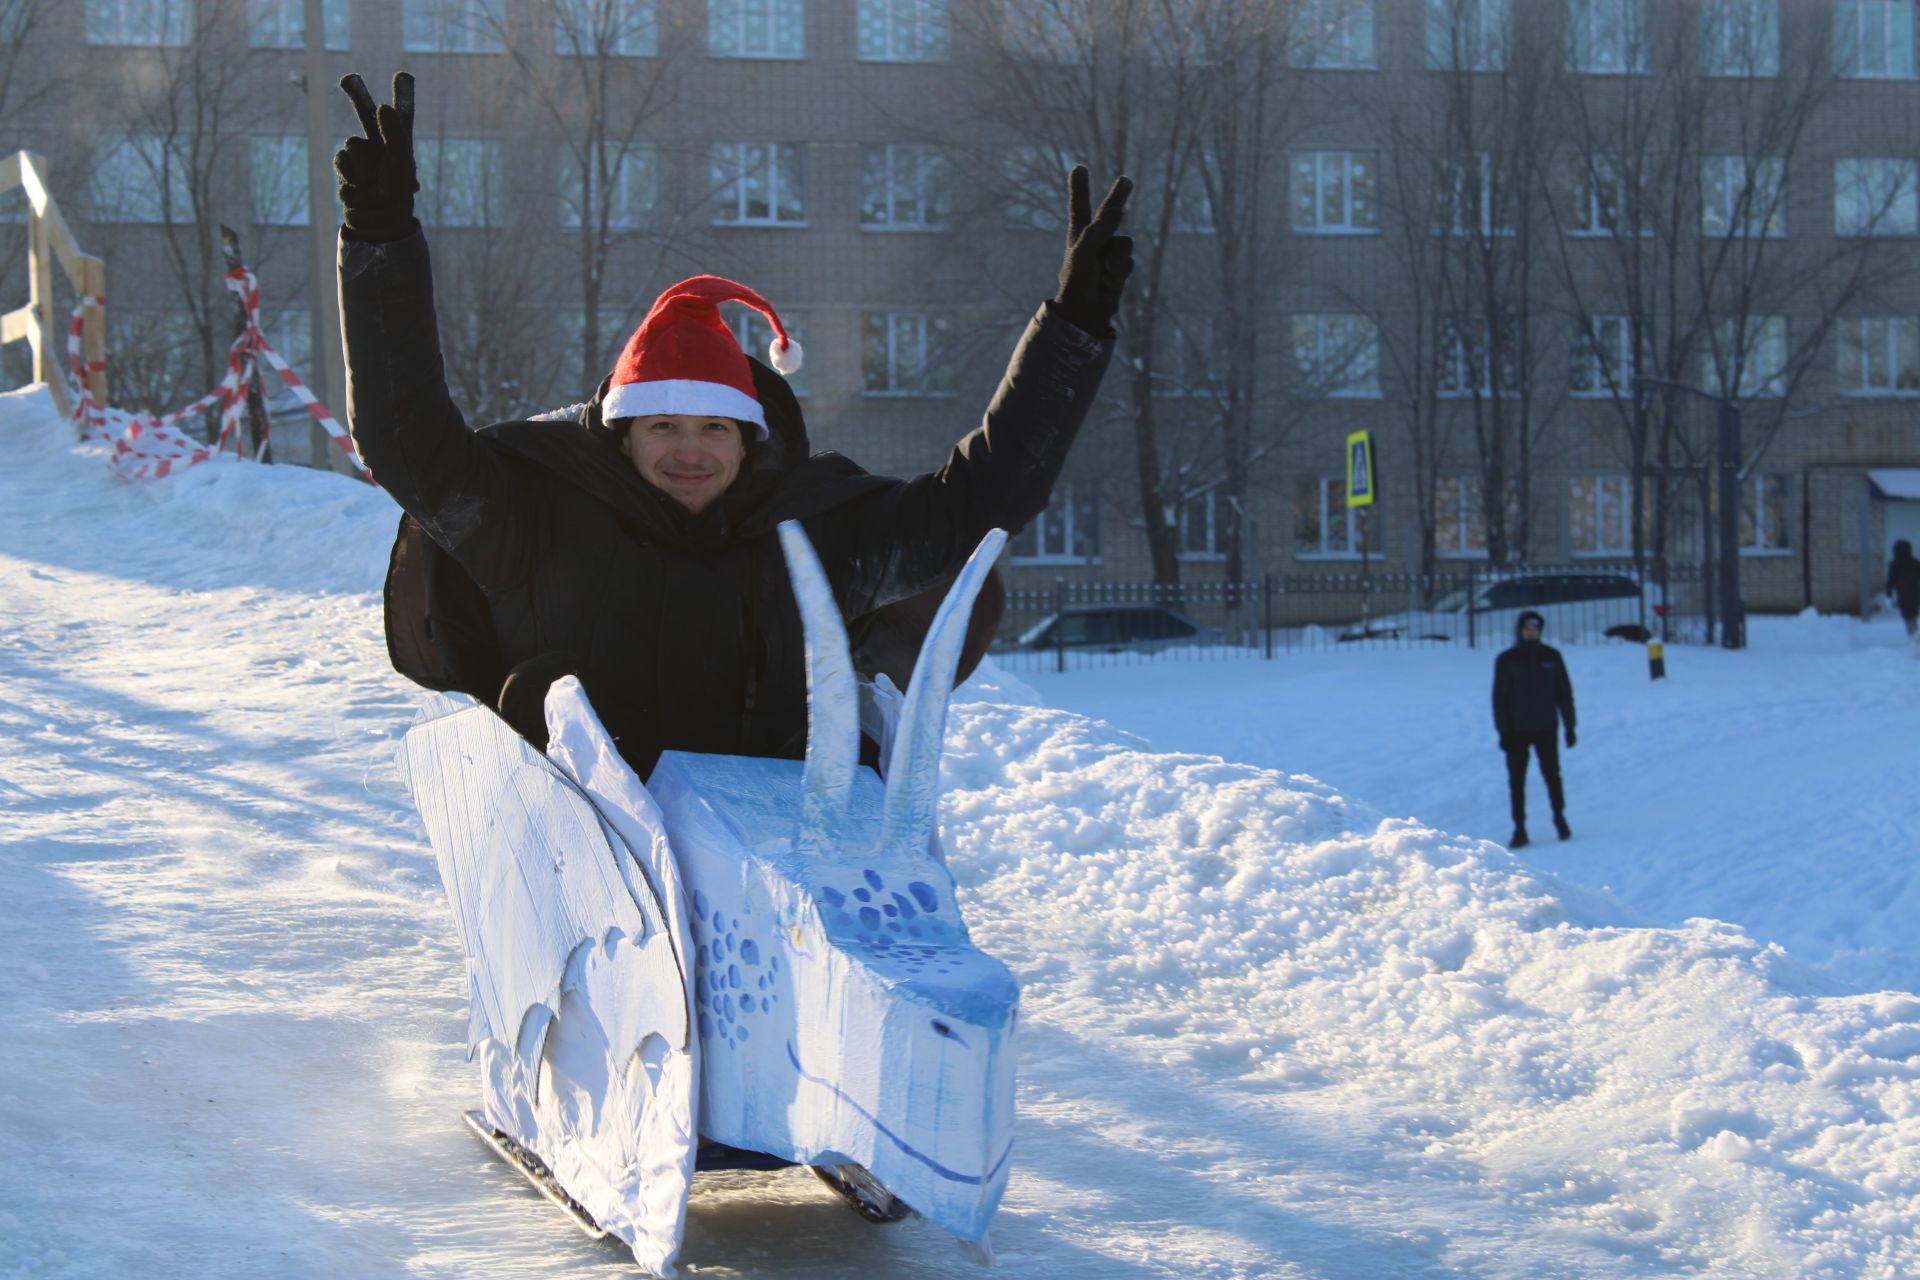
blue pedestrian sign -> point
(1360, 476)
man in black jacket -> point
(530, 549)
(1531, 696)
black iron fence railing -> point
(1080, 624)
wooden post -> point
(42, 333)
(93, 327)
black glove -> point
(1570, 737)
(376, 173)
(1506, 743)
(1098, 262)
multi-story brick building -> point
(1495, 233)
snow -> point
(1290, 1011)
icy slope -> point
(1270, 1031)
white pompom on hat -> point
(684, 359)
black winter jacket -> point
(1531, 688)
(1903, 580)
(683, 628)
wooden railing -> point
(49, 241)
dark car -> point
(1112, 628)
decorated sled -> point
(766, 954)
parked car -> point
(1113, 628)
(1574, 602)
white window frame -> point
(764, 30)
(635, 181)
(1760, 180)
(1488, 182)
(277, 166)
(150, 24)
(1612, 514)
(754, 333)
(1462, 377)
(1334, 35)
(903, 31)
(631, 29)
(1740, 39)
(913, 340)
(1210, 512)
(1071, 516)
(1474, 29)
(1759, 535)
(1603, 351)
(1892, 343)
(1351, 519)
(1314, 175)
(461, 179)
(905, 178)
(1338, 353)
(738, 167)
(128, 171)
(282, 24)
(1766, 335)
(1606, 37)
(452, 26)
(1873, 39)
(1595, 177)
(1876, 196)
(1458, 522)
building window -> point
(1185, 357)
(904, 353)
(1467, 35)
(1337, 354)
(1203, 526)
(904, 187)
(140, 177)
(1748, 360)
(1740, 37)
(1880, 355)
(291, 333)
(757, 28)
(1602, 358)
(904, 31)
(1333, 34)
(628, 183)
(1873, 39)
(451, 26)
(279, 173)
(591, 28)
(1037, 178)
(758, 184)
(1334, 193)
(1474, 189)
(1764, 522)
(1323, 523)
(1607, 37)
(1604, 201)
(1067, 532)
(1598, 511)
(1874, 198)
(1743, 196)
(140, 22)
(1467, 366)
(755, 334)
(1459, 525)
(459, 182)
(281, 24)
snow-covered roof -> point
(1896, 482)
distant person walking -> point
(1531, 697)
(1903, 584)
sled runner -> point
(771, 946)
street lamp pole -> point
(1733, 618)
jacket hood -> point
(1520, 623)
(1903, 550)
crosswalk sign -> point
(1360, 476)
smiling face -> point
(689, 456)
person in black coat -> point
(1532, 696)
(634, 545)
(1903, 584)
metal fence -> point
(1072, 625)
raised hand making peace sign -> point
(1097, 264)
(376, 173)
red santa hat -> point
(684, 359)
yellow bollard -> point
(1656, 660)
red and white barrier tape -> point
(147, 445)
